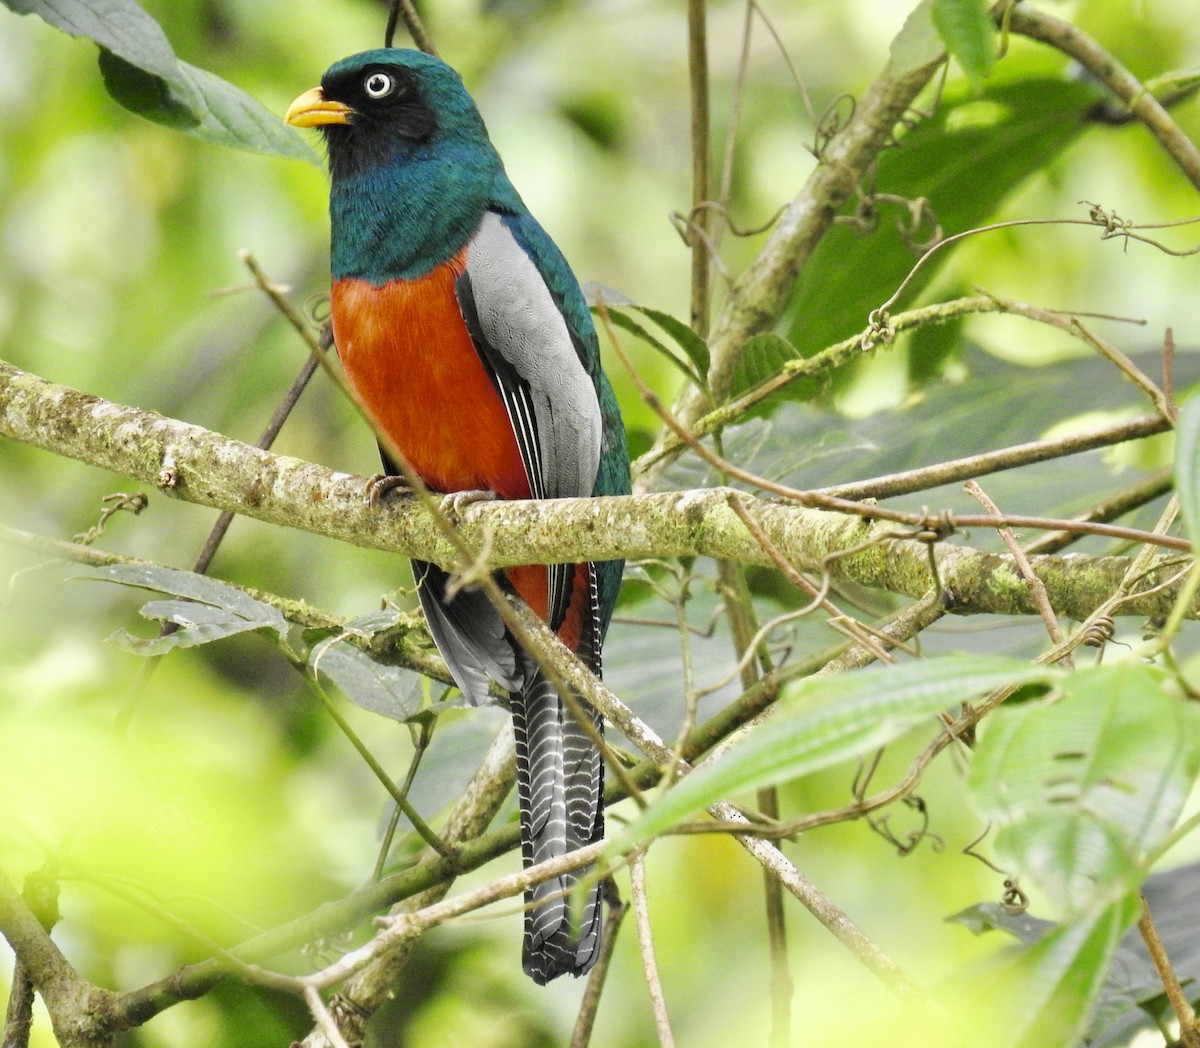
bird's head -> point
(384, 106)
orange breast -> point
(410, 359)
(408, 355)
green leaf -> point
(623, 320)
(1043, 996)
(1086, 790)
(145, 93)
(197, 624)
(210, 609)
(917, 44)
(965, 160)
(230, 117)
(1187, 467)
(762, 358)
(991, 916)
(692, 344)
(142, 73)
(968, 33)
(823, 721)
(189, 585)
(387, 690)
(118, 26)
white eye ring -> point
(379, 85)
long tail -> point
(560, 789)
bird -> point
(465, 335)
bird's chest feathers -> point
(408, 355)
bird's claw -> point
(383, 484)
(455, 502)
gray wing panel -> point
(522, 325)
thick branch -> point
(200, 466)
(73, 1002)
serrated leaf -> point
(193, 587)
(824, 721)
(196, 624)
(1187, 467)
(762, 358)
(387, 690)
(968, 33)
(1085, 791)
(142, 73)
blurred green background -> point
(232, 798)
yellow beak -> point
(312, 109)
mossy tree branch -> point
(200, 466)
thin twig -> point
(1127, 367)
(944, 522)
(782, 987)
(641, 913)
(412, 22)
(698, 222)
(908, 481)
(760, 294)
(1189, 1030)
(581, 1036)
(422, 735)
(819, 364)
(1037, 588)
(320, 1013)
(397, 794)
(318, 348)
(725, 190)
(1116, 505)
(879, 326)
(793, 576)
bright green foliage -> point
(1085, 791)
(142, 73)
(823, 721)
(1043, 995)
(963, 161)
(969, 35)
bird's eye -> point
(379, 85)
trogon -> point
(465, 335)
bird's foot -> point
(383, 484)
(455, 502)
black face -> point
(385, 99)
